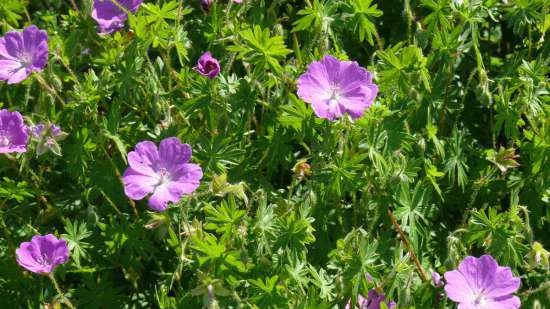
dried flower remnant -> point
(164, 173)
(302, 169)
(334, 88)
(206, 4)
(13, 132)
(42, 254)
(480, 283)
(110, 17)
(47, 136)
(372, 301)
(436, 279)
(208, 66)
(21, 53)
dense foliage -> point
(293, 211)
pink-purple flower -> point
(47, 136)
(334, 88)
(110, 17)
(164, 173)
(13, 132)
(208, 66)
(21, 53)
(436, 279)
(206, 4)
(42, 254)
(372, 301)
(480, 283)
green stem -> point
(64, 299)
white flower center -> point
(479, 298)
(333, 95)
(25, 59)
(163, 177)
(4, 140)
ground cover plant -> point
(274, 154)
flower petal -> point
(457, 288)
(137, 185)
(172, 153)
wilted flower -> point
(436, 279)
(480, 283)
(110, 17)
(302, 169)
(21, 53)
(13, 132)
(206, 4)
(42, 254)
(372, 301)
(538, 255)
(208, 65)
(335, 87)
(47, 136)
(164, 173)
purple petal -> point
(173, 153)
(136, 185)
(145, 158)
(457, 288)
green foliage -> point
(293, 211)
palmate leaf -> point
(439, 18)
(224, 219)
(316, 17)
(360, 14)
(261, 49)
(75, 234)
(495, 232)
(266, 294)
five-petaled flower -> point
(164, 173)
(13, 132)
(480, 283)
(21, 53)
(372, 301)
(334, 88)
(42, 254)
(208, 66)
(110, 17)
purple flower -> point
(436, 279)
(208, 66)
(206, 4)
(110, 17)
(13, 132)
(21, 53)
(335, 87)
(372, 301)
(42, 254)
(56, 130)
(164, 173)
(480, 283)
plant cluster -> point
(263, 154)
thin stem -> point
(64, 299)
(75, 7)
(542, 287)
(403, 237)
(49, 89)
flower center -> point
(480, 298)
(334, 95)
(163, 177)
(42, 259)
(4, 140)
(210, 66)
(25, 59)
